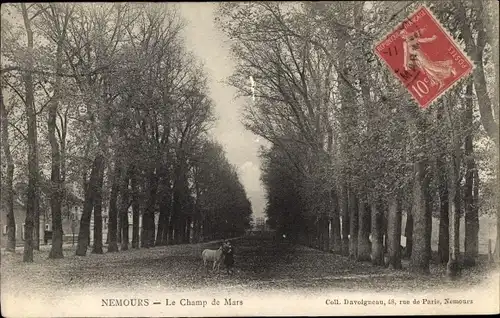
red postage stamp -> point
(424, 57)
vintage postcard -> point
(249, 159)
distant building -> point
(19, 216)
(71, 213)
(261, 224)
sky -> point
(210, 47)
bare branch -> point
(17, 92)
(19, 131)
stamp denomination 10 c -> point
(424, 57)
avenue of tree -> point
(103, 101)
(351, 152)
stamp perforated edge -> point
(414, 7)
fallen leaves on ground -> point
(260, 264)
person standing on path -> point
(229, 256)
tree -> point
(453, 172)
(91, 188)
(11, 221)
(135, 210)
(443, 244)
(479, 22)
(377, 256)
(55, 22)
(221, 206)
(471, 213)
(113, 208)
(394, 233)
(97, 206)
(33, 173)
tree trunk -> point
(348, 120)
(36, 220)
(202, 229)
(152, 229)
(326, 236)
(453, 169)
(9, 179)
(471, 216)
(353, 231)
(394, 233)
(55, 177)
(197, 213)
(199, 237)
(329, 226)
(364, 248)
(443, 244)
(161, 235)
(420, 257)
(178, 231)
(148, 224)
(119, 213)
(475, 199)
(170, 230)
(143, 230)
(124, 205)
(32, 191)
(119, 226)
(336, 238)
(97, 248)
(319, 234)
(453, 268)
(125, 227)
(428, 213)
(336, 235)
(345, 221)
(195, 230)
(135, 210)
(90, 193)
(384, 229)
(182, 229)
(185, 230)
(177, 204)
(409, 234)
(188, 230)
(377, 255)
(113, 209)
(162, 220)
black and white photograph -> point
(205, 159)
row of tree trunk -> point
(359, 218)
(348, 231)
(175, 225)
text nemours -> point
(138, 302)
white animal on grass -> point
(215, 256)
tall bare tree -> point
(9, 196)
(32, 212)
